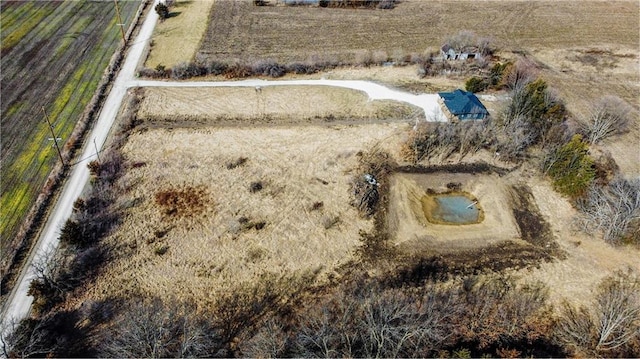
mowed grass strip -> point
(271, 105)
(238, 30)
(177, 39)
(57, 65)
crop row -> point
(54, 63)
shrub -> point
(609, 327)
(386, 4)
(71, 233)
(496, 74)
(609, 116)
(475, 84)
(432, 139)
(185, 70)
(237, 163)
(163, 10)
(216, 67)
(255, 187)
(571, 168)
(269, 68)
(530, 115)
(375, 166)
(238, 70)
(612, 209)
(300, 68)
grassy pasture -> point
(53, 56)
(239, 30)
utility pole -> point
(120, 23)
(55, 139)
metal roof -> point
(464, 104)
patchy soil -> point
(533, 228)
(411, 232)
(500, 257)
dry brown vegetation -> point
(583, 75)
(251, 206)
(176, 39)
(257, 192)
(268, 106)
(239, 30)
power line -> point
(120, 23)
(55, 138)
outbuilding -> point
(466, 53)
(461, 105)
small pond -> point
(452, 208)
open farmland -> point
(53, 56)
(240, 31)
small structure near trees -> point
(461, 105)
(466, 45)
(465, 53)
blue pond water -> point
(456, 210)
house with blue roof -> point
(461, 105)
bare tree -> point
(153, 329)
(462, 40)
(609, 116)
(575, 328)
(520, 74)
(268, 342)
(398, 325)
(611, 209)
(516, 137)
(618, 311)
(52, 278)
(612, 326)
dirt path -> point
(19, 302)
(428, 102)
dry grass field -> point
(588, 260)
(239, 30)
(214, 202)
(583, 75)
(270, 200)
(272, 105)
(177, 38)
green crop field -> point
(54, 54)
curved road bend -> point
(428, 102)
(19, 302)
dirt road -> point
(428, 102)
(19, 302)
